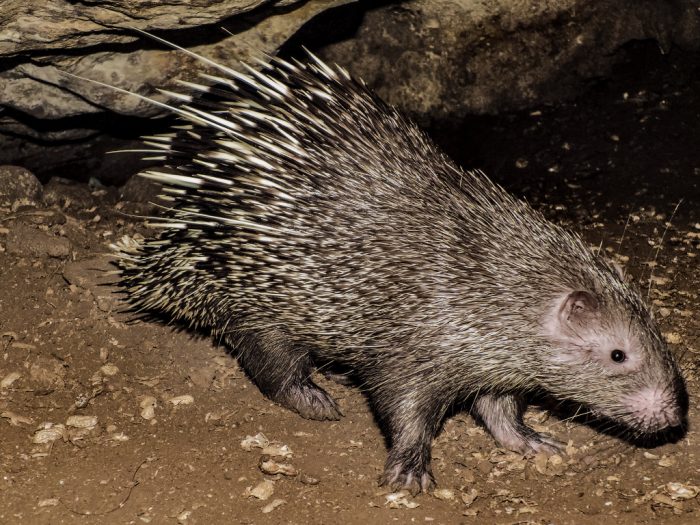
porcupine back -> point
(312, 224)
(299, 194)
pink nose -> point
(655, 408)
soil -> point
(107, 418)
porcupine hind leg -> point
(503, 417)
(411, 421)
(283, 373)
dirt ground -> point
(106, 419)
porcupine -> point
(312, 225)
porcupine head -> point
(547, 313)
(445, 292)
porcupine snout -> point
(657, 407)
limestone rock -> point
(439, 58)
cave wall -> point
(434, 59)
(446, 58)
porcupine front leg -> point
(283, 373)
(410, 421)
(503, 417)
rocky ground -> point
(107, 418)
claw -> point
(535, 442)
(312, 402)
(397, 478)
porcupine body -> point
(312, 225)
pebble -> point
(262, 490)
(15, 420)
(680, 491)
(148, 407)
(109, 370)
(19, 187)
(140, 189)
(26, 241)
(444, 494)
(184, 399)
(397, 500)
(272, 505)
(48, 432)
(269, 466)
(9, 379)
(257, 441)
(82, 422)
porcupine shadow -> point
(567, 411)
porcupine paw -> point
(530, 443)
(401, 477)
(312, 402)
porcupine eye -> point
(618, 356)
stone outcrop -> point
(434, 59)
(445, 58)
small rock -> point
(91, 274)
(49, 502)
(88, 422)
(109, 370)
(184, 399)
(659, 281)
(540, 462)
(397, 500)
(257, 441)
(664, 312)
(19, 187)
(444, 494)
(262, 490)
(268, 466)
(140, 189)
(664, 500)
(555, 460)
(16, 420)
(680, 491)
(571, 450)
(48, 432)
(278, 450)
(309, 480)
(667, 461)
(272, 505)
(68, 194)
(148, 407)
(9, 379)
(26, 241)
(673, 338)
(468, 498)
(74, 272)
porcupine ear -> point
(570, 316)
(578, 310)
